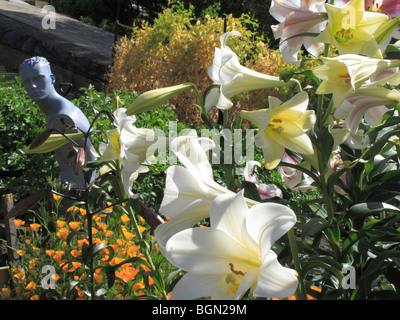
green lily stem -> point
(136, 230)
(301, 290)
(89, 220)
(145, 249)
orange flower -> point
(82, 241)
(74, 224)
(141, 229)
(109, 233)
(35, 297)
(132, 249)
(20, 252)
(31, 286)
(145, 268)
(58, 254)
(128, 235)
(75, 253)
(62, 233)
(127, 273)
(50, 252)
(116, 260)
(34, 249)
(76, 264)
(66, 265)
(97, 277)
(102, 226)
(125, 218)
(35, 226)
(57, 197)
(19, 222)
(60, 223)
(138, 286)
(6, 292)
(34, 261)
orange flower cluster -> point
(66, 258)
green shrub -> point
(20, 122)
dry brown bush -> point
(174, 51)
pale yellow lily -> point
(351, 29)
(344, 74)
(283, 125)
(129, 145)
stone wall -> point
(79, 54)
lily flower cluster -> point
(224, 240)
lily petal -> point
(275, 280)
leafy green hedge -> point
(21, 121)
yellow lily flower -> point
(350, 28)
(130, 145)
(283, 125)
(344, 74)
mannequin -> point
(61, 114)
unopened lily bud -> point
(79, 161)
(155, 98)
(152, 218)
(40, 139)
(47, 143)
(116, 102)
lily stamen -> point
(231, 267)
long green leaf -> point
(369, 208)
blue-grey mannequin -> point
(38, 81)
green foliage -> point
(20, 122)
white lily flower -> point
(298, 17)
(361, 106)
(189, 190)
(290, 176)
(356, 108)
(234, 78)
(234, 254)
(129, 145)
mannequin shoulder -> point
(60, 121)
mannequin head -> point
(37, 78)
